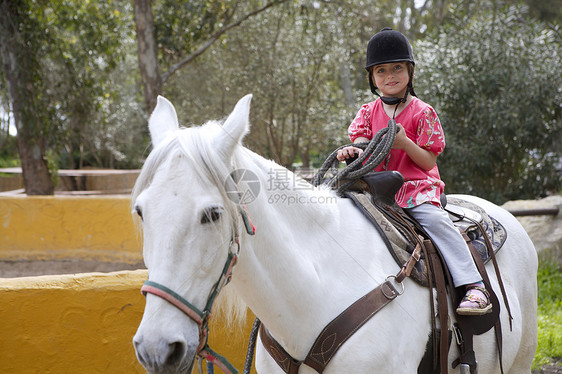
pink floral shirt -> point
(422, 126)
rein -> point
(378, 147)
(202, 317)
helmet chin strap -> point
(394, 100)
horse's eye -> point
(139, 211)
(211, 214)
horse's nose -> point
(160, 354)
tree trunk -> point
(36, 176)
(346, 85)
(20, 68)
(305, 156)
(147, 53)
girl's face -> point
(392, 78)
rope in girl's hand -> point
(375, 151)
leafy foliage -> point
(289, 59)
(496, 85)
(487, 66)
(92, 42)
(179, 26)
(80, 48)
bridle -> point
(202, 317)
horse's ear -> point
(163, 120)
(236, 126)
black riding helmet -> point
(389, 46)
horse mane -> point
(198, 145)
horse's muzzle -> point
(162, 356)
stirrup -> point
(484, 306)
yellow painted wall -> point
(49, 227)
(84, 324)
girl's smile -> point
(392, 78)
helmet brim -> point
(390, 61)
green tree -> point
(63, 65)
(90, 81)
(495, 82)
(22, 50)
(295, 59)
(180, 32)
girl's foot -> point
(475, 303)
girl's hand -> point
(347, 152)
(424, 158)
(401, 140)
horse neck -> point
(308, 258)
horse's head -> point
(189, 232)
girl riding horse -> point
(420, 139)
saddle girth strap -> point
(335, 334)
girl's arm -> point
(423, 158)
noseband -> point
(202, 317)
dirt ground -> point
(553, 368)
(13, 269)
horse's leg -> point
(526, 323)
(519, 343)
(524, 359)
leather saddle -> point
(382, 187)
(467, 217)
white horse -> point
(313, 254)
